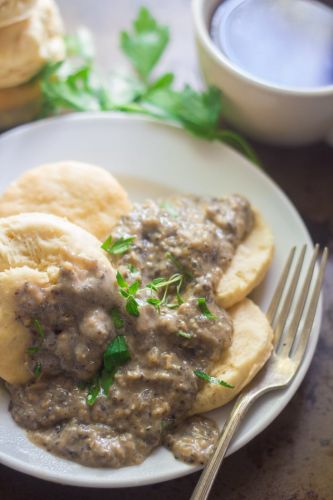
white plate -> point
(150, 159)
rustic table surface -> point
(293, 458)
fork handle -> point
(208, 475)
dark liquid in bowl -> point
(286, 42)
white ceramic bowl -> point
(268, 112)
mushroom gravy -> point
(168, 335)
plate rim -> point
(104, 482)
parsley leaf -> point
(38, 369)
(118, 247)
(33, 350)
(106, 380)
(132, 306)
(157, 283)
(121, 281)
(74, 84)
(202, 304)
(146, 43)
(116, 353)
(199, 112)
(128, 292)
(93, 392)
(116, 318)
(38, 327)
(212, 380)
(132, 268)
(186, 335)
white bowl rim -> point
(248, 78)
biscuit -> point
(27, 45)
(86, 195)
(250, 349)
(19, 104)
(12, 11)
(33, 248)
(249, 265)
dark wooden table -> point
(293, 458)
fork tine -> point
(283, 315)
(289, 338)
(306, 330)
(272, 309)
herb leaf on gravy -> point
(128, 292)
(38, 369)
(116, 353)
(116, 318)
(132, 306)
(186, 335)
(38, 327)
(33, 350)
(118, 247)
(158, 284)
(93, 392)
(202, 304)
(106, 381)
(146, 43)
(132, 268)
(212, 380)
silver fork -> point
(291, 334)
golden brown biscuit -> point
(248, 266)
(85, 194)
(12, 11)
(250, 348)
(27, 45)
(33, 248)
(19, 104)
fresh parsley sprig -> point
(38, 327)
(158, 284)
(116, 355)
(212, 380)
(75, 84)
(128, 292)
(203, 307)
(117, 247)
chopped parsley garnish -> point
(116, 318)
(93, 392)
(38, 327)
(106, 380)
(115, 355)
(132, 306)
(158, 284)
(202, 304)
(128, 292)
(171, 209)
(132, 268)
(121, 281)
(118, 247)
(33, 350)
(186, 335)
(38, 370)
(212, 380)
